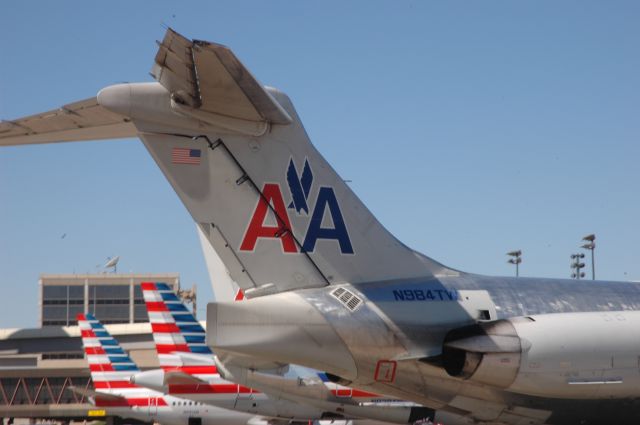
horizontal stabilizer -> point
(276, 384)
(87, 392)
(83, 120)
(209, 78)
(181, 378)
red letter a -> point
(257, 229)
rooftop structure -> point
(112, 298)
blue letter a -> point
(327, 199)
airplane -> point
(328, 287)
(113, 375)
(189, 370)
(111, 369)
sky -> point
(468, 128)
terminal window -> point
(139, 310)
(110, 303)
(61, 304)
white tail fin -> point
(188, 364)
(111, 368)
(176, 332)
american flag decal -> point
(185, 156)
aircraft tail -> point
(111, 368)
(237, 155)
(223, 285)
(179, 338)
(275, 211)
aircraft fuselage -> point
(462, 344)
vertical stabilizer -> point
(223, 285)
(275, 211)
(237, 155)
(111, 368)
(179, 338)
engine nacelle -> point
(568, 355)
(485, 352)
(152, 379)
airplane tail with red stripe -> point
(111, 368)
(179, 338)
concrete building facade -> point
(112, 298)
(39, 366)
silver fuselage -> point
(578, 358)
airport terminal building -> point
(112, 298)
(38, 366)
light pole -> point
(591, 246)
(516, 258)
(577, 265)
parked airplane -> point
(329, 287)
(189, 370)
(111, 369)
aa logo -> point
(325, 220)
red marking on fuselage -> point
(126, 402)
(385, 371)
(210, 389)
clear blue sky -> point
(469, 129)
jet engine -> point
(485, 352)
(568, 355)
